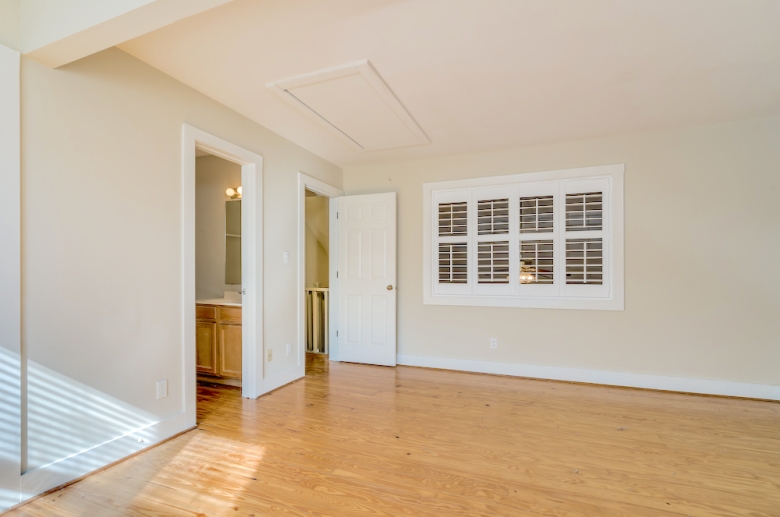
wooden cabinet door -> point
(230, 351)
(206, 346)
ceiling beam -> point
(57, 32)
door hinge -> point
(337, 333)
(337, 215)
(337, 274)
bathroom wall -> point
(317, 241)
(213, 175)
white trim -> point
(251, 257)
(45, 478)
(280, 379)
(307, 182)
(333, 281)
(10, 280)
(630, 380)
(614, 255)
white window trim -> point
(614, 245)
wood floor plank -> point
(359, 440)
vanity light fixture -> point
(234, 193)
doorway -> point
(240, 321)
(317, 267)
(218, 293)
(316, 272)
(361, 307)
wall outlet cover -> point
(270, 355)
(288, 348)
(493, 342)
(162, 389)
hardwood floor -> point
(363, 440)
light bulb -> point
(230, 192)
(239, 191)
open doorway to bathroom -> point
(218, 266)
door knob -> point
(389, 287)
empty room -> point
(429, 258)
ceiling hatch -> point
(355, 104)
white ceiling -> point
(487, 74)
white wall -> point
(213, 176)
(101, 233)
(10, 288)
(702, 240)
(317, 220)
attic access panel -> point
(355, 104)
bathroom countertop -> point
(219, 301)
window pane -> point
(584, 261)
(452, 219)
(584, 211)
(493, 262)
(453, 263)
(536, 214)
(536, 262)
(493, 216)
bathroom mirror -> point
(233, 241)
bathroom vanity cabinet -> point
(218, 341)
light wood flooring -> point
(372, 441)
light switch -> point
(286, 257)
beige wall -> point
(317, 219)
(213, 176)
(702, 248)
(101, 233)
(10, 27)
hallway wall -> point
(317, 220)
(101, 271)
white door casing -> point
(367, 278)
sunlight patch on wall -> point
(66, 417)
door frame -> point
(306, 182)
(251, 262)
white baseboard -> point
(280, 379)
(43, 479)
(631, 380)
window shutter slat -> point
(584, 212)
(536, 262)
(493, 262)
(584, 261)
(453, 263)
(536, 214)
(452, 219)
(493, 216)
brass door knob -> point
(389, 287)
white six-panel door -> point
(366, 278)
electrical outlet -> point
(493, 342)
(288, 348)
(270, 355)
(286, 257)
(162, 389)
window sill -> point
(598, 304)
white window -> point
(547, 240)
